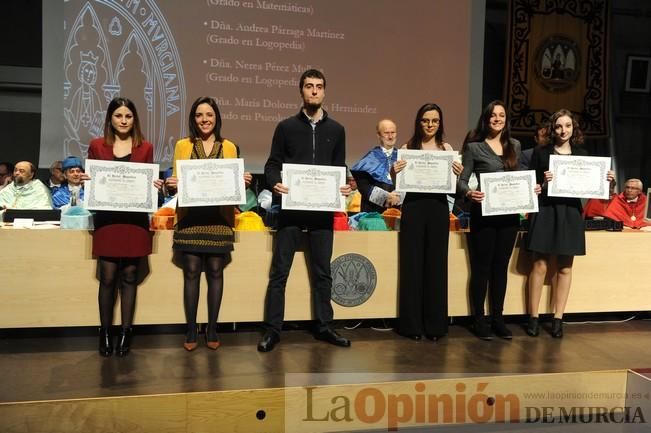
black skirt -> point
(557, 229)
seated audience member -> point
(73, 185)
(372, 172)
(25, 192)
(596, 207)
(354, 200)
(539, 138)
(6, 170)
(56, 178)
(628, 207)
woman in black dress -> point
(556, 232)
(423, 241)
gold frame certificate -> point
(313, 187)
(508, 192)
(210, 182)
(121, 186)
(427, 171)
(579, 176)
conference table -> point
(49, 278)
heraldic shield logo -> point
(123, 48)
(353, 279)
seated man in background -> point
(25, 192)
(6, 171)
(628, 207)
(71, 190)
(56, 178)
(596, 207)
(372, 172)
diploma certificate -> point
(508, 192)
(427, 171)
(121, 186)
(579, 176)
(313, 187)
(210, 182)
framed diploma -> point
(121, 186)
(313, 187)
(579, 176)
(210, 182)
(427, 171)
(508, 192)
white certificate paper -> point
(313, 187)
(579, 176)
(508, 192)
(427, 171)
(210, 182)
(121, 186)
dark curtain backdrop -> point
(557, 57)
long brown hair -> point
(482, 131)
(109, 133)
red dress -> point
(121, 234)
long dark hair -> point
(109, 133)
(195, 134)
(482, 131)
(416, 140)
(577, 134)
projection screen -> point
(381, 58)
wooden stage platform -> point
(53, 380)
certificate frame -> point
(295, 174)
(406, 183)
(523, 181)
(190, 170)
(96, 196)
(563, 166)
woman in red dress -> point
(120, 239)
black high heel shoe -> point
(557, 328)
(532, 327)
(124, 342)
(105, 342)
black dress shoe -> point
(500, 329)
(415, 337)
(331, 336)
(481, 329)
(557, 328)
(124, 342)
(105, 342)
(268, 342)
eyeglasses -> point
(430, 121)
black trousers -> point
(491, 241)
(288, 239)
(423, 283)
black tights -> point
(117, 272)
(214, 267)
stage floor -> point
(66, 367)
